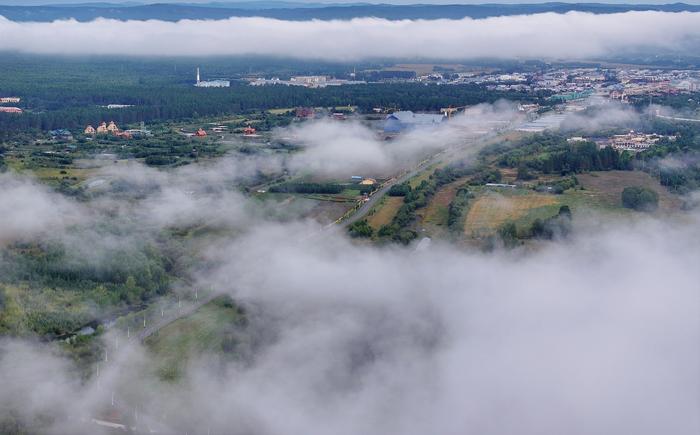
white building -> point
(211, 83)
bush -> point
(640, 198)
(553, 227)
(508, 233)
(402, 189)
(360, 229)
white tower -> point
(197, 75)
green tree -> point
(360, 229)
(640, 198)
(508, 233)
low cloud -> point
(373, 340)
(603, 114)
(352, 338)
(343, 148)
(30, 210)
(573, 35)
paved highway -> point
(448, 154)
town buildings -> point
(306, 81)
(105, 128)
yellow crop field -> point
(491, 210)
(386, 212)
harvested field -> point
(607, 186)
(492, 209)
(386, 211)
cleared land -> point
(385, 212)
(607, 187)
(493, 208)
(212, 328)
(436, 213)
(599, 191)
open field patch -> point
(215, 327)
(607, 187)
(492, 209)
(386, 212)
(436, 212)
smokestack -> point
(197, 75)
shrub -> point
(402, 189)
(360, 229)
(640, 198)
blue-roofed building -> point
(407, 120)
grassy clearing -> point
(606, 187)
(415, 181)
(600, 192)
(56, 175)
(51, 174)
(494, 207)
(385, 212)
(350, 192)
(211, 329)
(279, 111)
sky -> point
(54, 2)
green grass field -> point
(214, 328)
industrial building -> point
(211, 83)
(407, 120)
(633, 141)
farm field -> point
(385, 212)
(493, 208)
(436, 213)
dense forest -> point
(550, 153)
(72, 93)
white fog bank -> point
(573, 35)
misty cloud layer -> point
(343, 148)
(595, 335)
(573, 35)
(599, 336)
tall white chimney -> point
(197, 75)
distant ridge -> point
(293, 11)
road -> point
(675, 118)
(449, 154)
